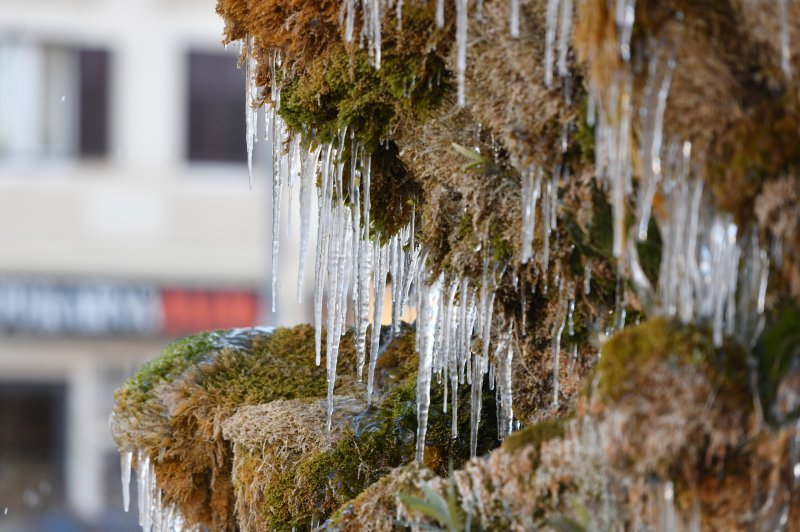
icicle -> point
(551, 20)
(440, 13)
(362, 305)
(620, 162)
(558, 328)
(332, 338)
(591, 110)
(655, 96)
(308, 174)
(624, 16)
(251, 95)
(429, 309)
(376, 32)
(564, 34)
(296, 155)
(587, 278)
(752, 291)
(476, 395)
(142, 488)
(277, 135)
(487, 304)
(399, 7)
(338, 276)
(573, 357)
(463, 334)
(504, 355)
(450, 356)
(531, 191)
(323, 224)
(395, 266)
(620, 310)
(667, 515)
(379, 291)
(365, 267)
(786, 50)
(461, 44)
(514, 19)
(549, 214)
(125, 459)
(350, 16)
(571, 316)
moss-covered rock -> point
(374, 442)
(665, 408)
(237, 438)
(173, 408)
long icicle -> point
(426, 331)
(308, 173)
(277, 141)
(461, 47)
(379, 290)
(323, 225)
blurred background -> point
(125, 222)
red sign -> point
(190, 311)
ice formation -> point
(125, 469)
(154, 515)
(709, 272)
(462, 18)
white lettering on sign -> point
(83, 308)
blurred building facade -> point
(125, 221)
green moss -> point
(535, 435)
(649, 251)
(777, 351)
(623, 356)
(263, 368)
(172, 361)
(340, 89)
(584, 138)
(599, 241)
(381, 439)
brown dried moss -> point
(174, 408)
(269, 439)
(300, 29)
(376, 509)
(778, 211)
(505, 91)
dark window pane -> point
(216, 108)
(93, 123)
(32, 422)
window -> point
(53, 101)
(216, 122)
(32, 446)
(93, 103)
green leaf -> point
(453, 508)
(437, 512)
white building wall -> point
(142, 214)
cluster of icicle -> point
(710, 272)
(451, 314)
(354, 265)
(353, 269)
(153, 515)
